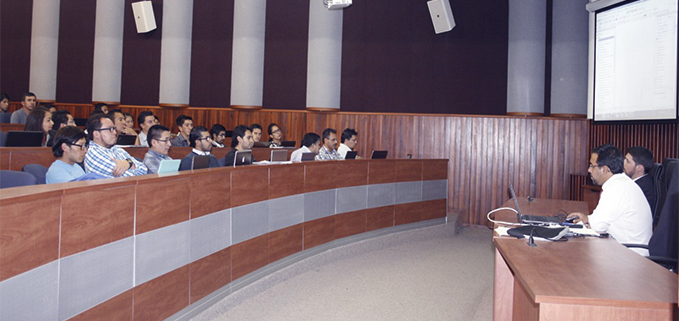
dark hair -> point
(216, 128)
(609, 155)
(238, 131)
(195, 134)
(94, 123)
(27, 94)
(155, 132)
(642, 156)
(348, 133)
(35, 118)
(270, 128)
(182, 118)
(310, 139)
(98, 107)
(69, 135)
(113, 111)
(142, 117)
(253, 126)
(4, 96)
(327, 132)
(60, 117)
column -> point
(526, 57)
(44, 49)
(324, 64)
(247, 69)
(175, 53)
(570, 22)
(108, 52)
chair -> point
(663, 246)
(3, 139)
(37, 170)
(656, 174)
(5, 118)
(222, 161)
(15, 179)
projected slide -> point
(635, 76)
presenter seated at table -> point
(328, 152)
(160, 141)
(200, 140)
(311, 143)
(275, 135)
(623, 211)
(103, 157)
(70, 146)
(240, 141)
(348, 143)
(40, 120)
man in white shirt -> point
(623, 211)
(146, 119)
(311, 143)
(349, 140)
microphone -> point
(531, 241)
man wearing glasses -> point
(70, 146)
(160, 142)
(102, 156)
(623, 211)
(200, 140)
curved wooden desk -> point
(146, 247)
(581, 279)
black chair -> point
(5, 118)
(663, 245)
(37, 170)
(15, 179)
(3, 139)
(656, 174)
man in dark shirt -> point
(185, 125)
(200, 140)
(638, 162)
(241, 141)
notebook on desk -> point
(531, 219)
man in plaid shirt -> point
(328, 151)
(102, 156)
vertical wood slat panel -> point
(661, 139)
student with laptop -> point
(311, 143)
(39, 120)
(70, 147)
(240, 141)
(200, 140)
(623, 211)
(328, 152)
(348, 143)
(160, 141)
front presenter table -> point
(581, 279)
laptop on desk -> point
(288, 143)
(169, 166)
(308, 157)
(379, 154)
(17, 138)
(126, 140)
(351, 155)
(279, 155)
(531, 219)
(200, 162)
(242, 158)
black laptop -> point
(126, 140)
(200, 162)
(379, 154)
(16, 138)
(288, 143)
(308, 157)
(242, 158)
(261, 144)
(351, 155)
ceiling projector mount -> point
(336, 4)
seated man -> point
(638, 162)
(218, 134)
(70, 146)
(241, 141)
(256, 130)
(28, 102)
(121, 124)
(185, 125)
(328, 152)
(623, 211)
(103, 157)
(62, 118)
(200, 140)
(160, 142)
(311, 143)
(146, 120)
(349, 141)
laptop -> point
(261, 144)
(288, 143)
(379, 154)
(126, 140)
(351, 155)
(531, 219)
(308, 157)
(200, 162)
(278, 155)
(17, 138)
(169, 166)
(242, 158)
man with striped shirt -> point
(102, 156)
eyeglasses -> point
(276, 131)
(204, 138)
(110, 129)
(82, 147)
(164, 141)
(592, 165)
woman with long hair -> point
(39, 120)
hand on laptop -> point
(578, 217)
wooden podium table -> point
(581, 279)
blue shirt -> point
(60, 172)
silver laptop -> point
(308, 157)
(279, 155)
(531, 219)
(242, 158)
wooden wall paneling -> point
(163, 296)
(118, 308)
(662, 139)
(370, 134)
(435, 138)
